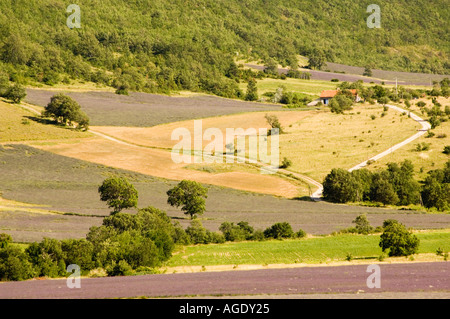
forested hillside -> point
(161, 45)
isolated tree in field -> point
(118, 193)
(65, 110)
(398, 239)
(252, 91)
(274, 123)
(362, 224)
(15, 93)
(190, 196)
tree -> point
(274, 123)
(279, 230)
(65, 110)
(362, 224)
(340, 103)
(382, 191)
(286, 163)
(190, 196)
(15, 93)
(367, 71)
(252, 91)
(340, 186)
(271, 67)
(5, 239)
(4, 83)
(118, 193)
(398, 239)
(436, 188)
(316, 59)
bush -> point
(279, 230)
(300, 234)
(47, 258)
(119, 269)
(15, 93)
(5, 239)
(362, 225)
(398, 240)
(286, 163)
(14, 265)
(446, 150)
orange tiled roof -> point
(332, 93)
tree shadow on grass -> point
(303, 198)
(46, 121)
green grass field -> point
(313, 250)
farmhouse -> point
(327, 95)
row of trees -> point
(127, 243)
(124, 242)
(395, 186)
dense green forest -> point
(160, 45)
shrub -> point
(14, 264)
(398, 240)
(5, 239)
(119, 269)
(286, 163)
(429, 134)
(446, 150)
(15, 93)
(300, 233)
(422, 147)
(362, 225)
(421, 104)
(79, 252)
(279, 230)
(197, 233)
(47, 257)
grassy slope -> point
(309, 250)
(18, 124)
(425, 160)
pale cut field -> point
(423, 161)
(316, 141)
(159, 163)
(317, 144)
(160, 136)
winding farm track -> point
(408, 278)
(317, 195)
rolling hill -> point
(160, 46)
